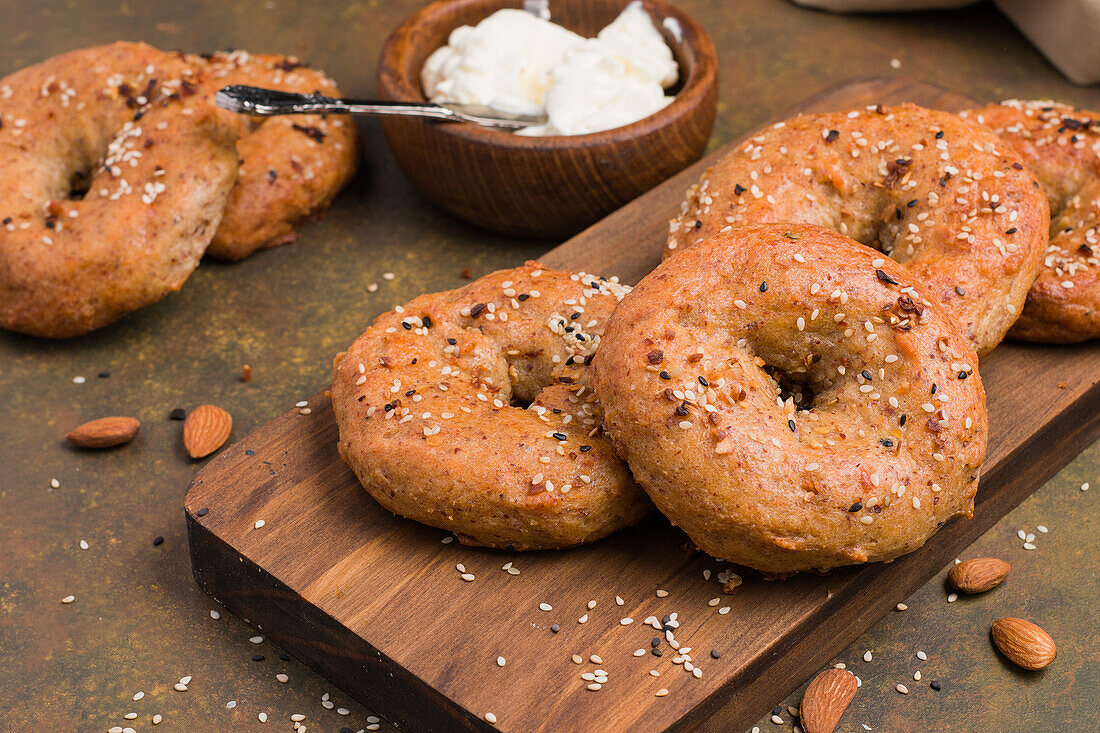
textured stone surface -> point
(139, 622)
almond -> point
(1024, 643)
(826, 699)
(206, 429)
(978, 575)
(104, 432)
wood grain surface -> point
(375, 602)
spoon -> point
(259, 101)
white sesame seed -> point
(953, 597)
(489, 717)
(626, 621)
(867, 656)
(138, 695)
(256, 639)
(902, 689)
(545, 607)
(468, 577)
(262, 717)
(501, 661)
(282, 677)
(68, 599)
(661, 692)
(922, 656)
(259, 523)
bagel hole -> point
(80, 182)
(792, 386)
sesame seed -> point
(489, 717)
(501, 661)
(545, 607)
(902, 689)
(68, 599)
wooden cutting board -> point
(375, 603)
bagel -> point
(793, 400)
(944, 197)
(291, 167)
(428, 405)
(126, 123)
(1062, 147)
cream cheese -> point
(514, 61)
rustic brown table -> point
(139, 623)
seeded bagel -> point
(1062, 146)
(291, 167)
(942, 196)
(125, 124)
(793, 400)
(429, 403)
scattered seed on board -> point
(282, 677)
(68, 599)
(501, 661)
(215, 615)
(545, 607)
(490, 717)
(259, 523)
(902, 689)
(262, 717)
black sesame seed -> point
(655, 642)
(104, 374)
(790, 424)
(935, 685)
(250, 452)
(284, 656)
(962, 375)
(703, 381)
(698, 224)
(715, 654)
(656, 652)
(427, 321)
(866, 375)
(522, 297)
(202, 512)
(832, 135)
(901, 421)
(585, 448)
(452, 342)
(560, 436)
(1013, 230)
(855, 507)
(939, 135)
(588, 359)
(555, 628)
(257, 657)
(345, 729)
(157, 541)
(777, 710)
(897, 212)
(764, 287)
(477, 310)
(885, 278)
(410, 393)
(959, 290)
(665, 375)
(406, 325)
(887, 442)
(177, 414)
(933, 388)
(574, 316)
(911, 204)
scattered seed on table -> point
(595, 686)
(214, 614)
(179, 687)
(83, 544)
(916, 675)
(259, 523)
(231, 704)
(661, 692)
(468, 577)
(922, 656)
(953, 597)
(902, 689)
(256, 639)
(501, 661)
(583, 619)
(282, 677)
(867, 656)
(79, 380)
(591, 605)
(157, 541)
(55, 484)
(262, 717)
(138, 695)
(157, 718)
(662, 593)
(777, 720)
(626, 621)
(715, 654)
(342, 711)
(577, 659)
(595, 659)
(177, 413)
(934, 685)
(619, 601)
(68, 599)
(202, 512)
(902, 607)
(545, 607)
(490, 717)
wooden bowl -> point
(544, 186)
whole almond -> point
(1024, 643)
(826, 699)
(978, 575)
(205, 430)
(104, 432)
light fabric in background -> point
(1066, 31)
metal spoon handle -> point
(259, 101)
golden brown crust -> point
(291, 167)
(888, 450)
(424, 398)
(1061, 145)
(157, 161)
(937, 193)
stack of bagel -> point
(117, 173)
(796, 385)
